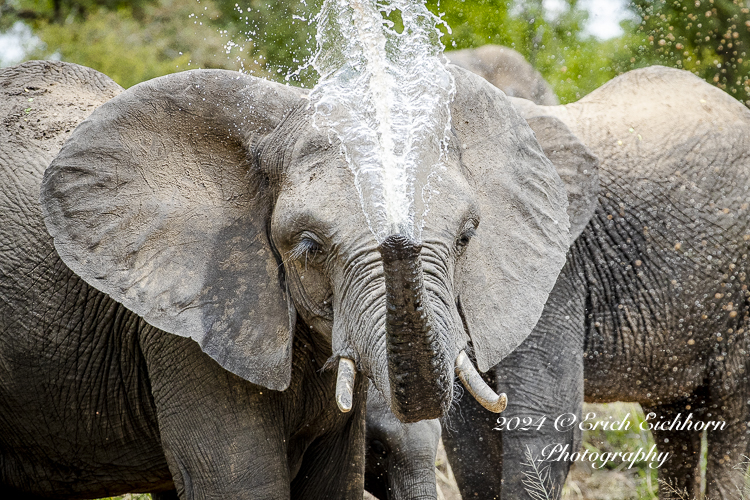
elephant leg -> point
(543, 379)
(222, 437)
(728, 436)
(334, 465)
(680, 472)
(473, 448)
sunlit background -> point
(576, 44)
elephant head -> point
(506, 69)
(207, 203)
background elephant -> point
(204, 204)
(652, 303)
(400, 458)
(507, 70)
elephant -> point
(652, 304)
(190, 287)
(400, 458)
(507, 70)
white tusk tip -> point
(499, 405)
(478, 388)
(345, 384)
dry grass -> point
(446, 483)
(587, 483)
(616, 481)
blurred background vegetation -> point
(132, 41)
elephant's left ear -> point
(156, 200)
(510, 266)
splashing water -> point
(386, 97)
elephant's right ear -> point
(576, 165)
(157, 201)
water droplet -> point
(374, 82)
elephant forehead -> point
(320, 188)
(319, 178)
(321, 194)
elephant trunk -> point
(408, 482)
(420, 386)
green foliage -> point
(474, 24)
(281, 33)
(283, 37)
(573, 63)
(131, 45)
(60, 10)
(133, 40)
(711, 38)
(615, 481)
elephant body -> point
(651, 305)
(97, 402)
(182, 262)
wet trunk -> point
(420, 385)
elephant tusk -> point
(477, 386)
(345, 384)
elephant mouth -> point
(465, 371)
(420, 367)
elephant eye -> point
(308, 247)
(377, 447)
(464, 239)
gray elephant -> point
(199, 259)
(651, 305)
(400, 458)
(507, 70)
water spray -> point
(384, 95)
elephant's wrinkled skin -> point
(400, 458)
(205, 205)
(652, 304)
